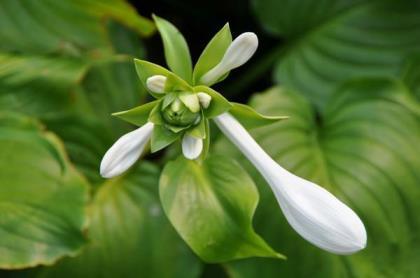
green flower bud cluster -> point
(180, 115)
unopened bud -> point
(238, 53)
(156, 84)
(204, 99)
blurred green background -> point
(346, 72)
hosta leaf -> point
(368, 39)
(364, 150)
(211, 205)
(43, 198)
(176, 49)
(129, 234)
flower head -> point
(181, 113)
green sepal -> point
(206, 142)
(177, 54)
(162, 137)
(176, 129)
(139, 115)
(211, 205)
(218, 104)
(213, 53)
(155, 116)
(199, 131)
(250, 118)
(168, 99)
(173, 83)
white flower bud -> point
(312, 211)
(204, 99)
(238, 53)
(191, 147)
(125, 151)
(156, 84)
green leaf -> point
(139, 115)
(218, 104)
(129, 234)
(211, 206)
(213, 53)
(250, 118)
(173, 83)
(176, 49)
(199, 131)
(339, 40)
(42, 199)
(162, 137)
(364, 150)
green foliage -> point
(195, 194)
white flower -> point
(191, 147)
(237, 54)
(156, 84)
(125, 151)
(312, 211)
(204, 99)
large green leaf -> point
(42, 203)
(211, 205)
(367, 39)
(129, 234)
(364, 150)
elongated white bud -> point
(312, 211)
(237, 54)
(156, 84)
(125, 151)
(191, 147)
(204, 99)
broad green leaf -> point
(364, 150)
(138, 115)
(366, 39)
(42, 199)
(173, 83)
(64, 27)
(129, 234)
(411, 75)
(218, 104)
(176, 49)
(211, 205)
(250, 118)
(162, 137)
(213, 53)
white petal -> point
(156, 83)
(125, 151)
(204, 99)
(191, 101)
(237, 54)
(312, 211)
(191, 147)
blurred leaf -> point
(364, 150)
(42, 197)
(213, 53)
(176, 49)
(130, 235)
(411, 75)
(367, 39)
(211, 206)
(64, 27)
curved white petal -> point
(125, 151)
(191, 147)
(156, 83)
(312, 211)
(237, 54)
(204, 99)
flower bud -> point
(238, 53)
(204, 99)
(179, 115)
(191, 147)
(156, 84)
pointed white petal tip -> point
(125, 151)
(237, 54)
(312, 211)
(204, 99)
(191, 147)
(156, 83)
